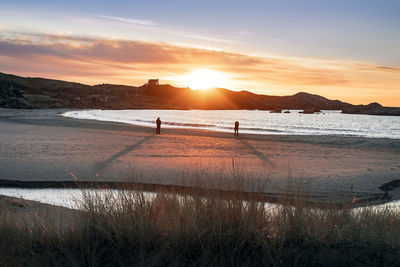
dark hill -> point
(20, 92)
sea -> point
(289, 122)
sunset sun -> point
(201, 79)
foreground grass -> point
(132, 229)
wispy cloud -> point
(244, 33)
(208, 38)
(143, 22)
(187, 33)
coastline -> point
(41, 145)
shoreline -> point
(53, 117)
(352, 199)
(221, 126)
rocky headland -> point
(20, 92)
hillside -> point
(20, 92)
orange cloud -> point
(92, 60)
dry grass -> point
(129, 228)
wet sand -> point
(40, 145)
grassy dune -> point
(130, 228)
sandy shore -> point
(40, 145)
(28, 214)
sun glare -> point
(205, 79)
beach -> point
(40, 145)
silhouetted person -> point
(158, 121)
(236, 128)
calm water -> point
(71, 197)
(255, 121)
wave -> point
(197, 125)
(263, 130)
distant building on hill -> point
(153, 82)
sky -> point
(347, 50)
